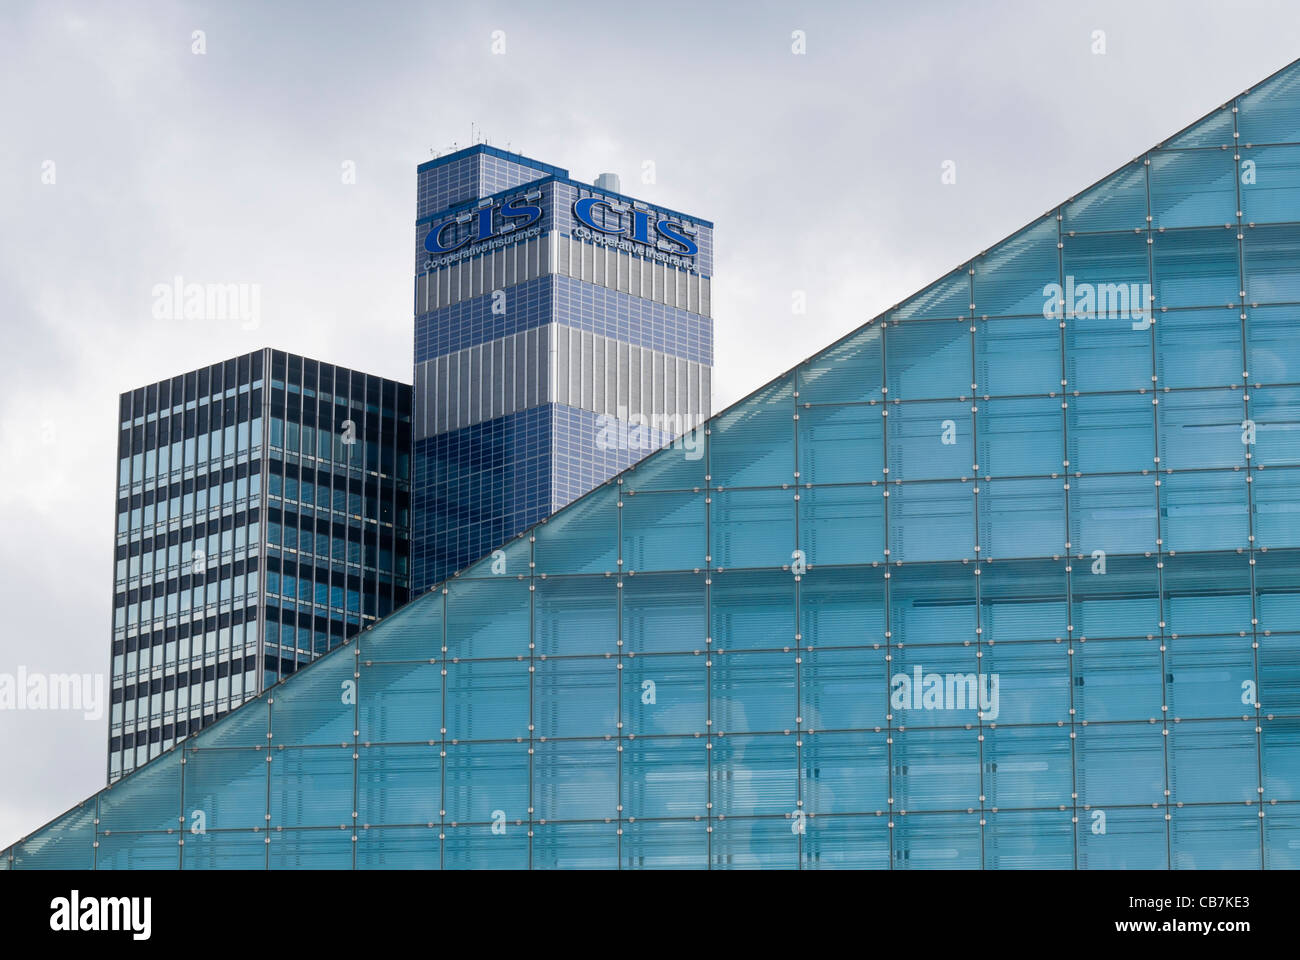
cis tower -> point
(562, 332)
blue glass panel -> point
(755, 844)
(399, 848)
(1198, 348)
(752, 610)
(488, 618)
(576, 697)
(846, 843)
(1106, 353)
(1279, 753)
(1120, 764)
(664, 531)
(665, 845)
(1207, 594)
(1019, 437)
(939, 687)
(310, 850)
(319, 707)
(1276, 413)
(311, 787)
(932, 604)
(1009, 279)
(487, 699)
(842, 607)
(1271, 112)
(412, 633)
(1029, 840)
(1270, 339)
(752, 444)
(576, 615)
(478, 848)
(138, 851)
(1276, 494)
(753, 691)
(752, 528)
(930, 441)
(943, 299)
(575, 780)
(849, 371)
(1207, 675)
(243, 728)
(1204, 511)
(665, 777)
(842, 525)
(150, 800)
(665, 693)
(1213, 761)
(1201, 428)
(1271, 259)
(1033, 681)
(65, 844)
(937, 841)
(575, 846)
(844, 689)
(1116, 838)
(1282, 838)
(1195, 268)
(227, 788)
(400, 702)
(226, 850)
(841, 444)
(754, 775)
(1015, 357)
(1117, 203)
(1021, 518)
(481, 778)
(1114, 514)
(1277, 586)
(928, 360)
(400, 784)
(583, 538)
(1115, 597)
(1272, 194)
(679, 467)
(845, 772)
(1110, 433)
(1023, 600)
(931, 521)
(1215, 838)
(937, 770)
(1093, 263)
(1192, 188)
(663, 612)
(1214, 130)
(1117, 680)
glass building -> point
(562, 332)
(263, 516)
(1008, 577)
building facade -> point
(263, 516)
(1008, 577)
(562, 332)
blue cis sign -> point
(671, 236)
(515, 214)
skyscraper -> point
(562, 332)
(263, 516)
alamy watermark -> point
(1113, 301)
(33, 690)
(945, 691)
(639, 431)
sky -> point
(275, 144)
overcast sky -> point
(820, 170)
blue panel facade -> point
(501, 249)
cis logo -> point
(489, 220)
(677, 235)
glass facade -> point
(562, 333)
(263, 515)
(1009, 577)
